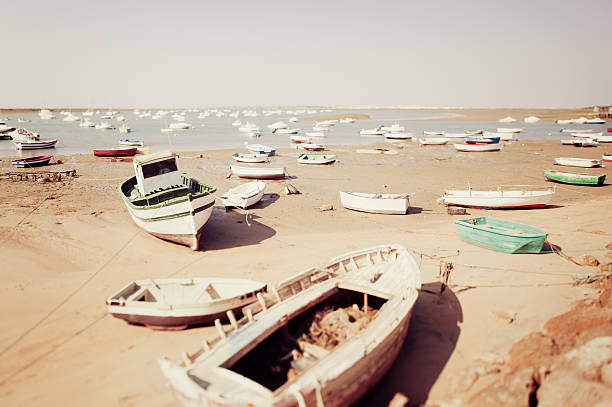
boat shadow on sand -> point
(431, 339)
(230, 229)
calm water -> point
(213, 133)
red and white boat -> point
(115, 152)
(34, 144)
(478, 147)
(37, 161)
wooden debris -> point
(444, 274)
(507, 317)
(456, 210)
(324, 208)
(606, 267)
(609, 246)
(41, 176)
(290, 189)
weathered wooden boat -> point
(578, 162)
(501, 235)
(37, 161)
(250, 157)
(34, 144)
(260, 149)
(502, 197)
(258, 172)
(478, 147)
(433, 141)
(310, 158)
(482, 140)
(115, 152)
(134, 143)
(273, 358)
(166, 203)
(244, 195)
(177, 303)
(606, 157)
(573, 178)
(396, 204)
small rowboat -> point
(270, 359)
(578, 162)
(311, 147)
(286, 131)
(396, 204)
(478, 147)
(573, 178)
(316, 158)
(135, 143)
(584, 142)
(260, 149)
(604, 139)
(606, 157)
(434, 141)
(244, 195)
(250, 158)
(503, 197)
(34, 144)
(482, 140)
(176, 303)
(115, 152)
(258, 172)
(501, 235)
(300, 139)
(433, 133)
(37, 161)
(399, 136)
(376, 151)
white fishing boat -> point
(165, 203)
(372, 132)
(244, 195)
(588, 134)
(278, 125)
(34, 144)
(509, 130)
(71, 118)
(584, 142)
(250, 157)
(316, 158)
(564, 121)
(300, 139)
(531, 119)
(478, 147)
(376, 203)
(376, 288)
(179, 126)
(394, 128)
(399, 136)
(595, 120)
(501, 197)
(311, 147)
(431, 141)
(578, 162)
(236, 123)
(104, 126)
(604, 139)
(433, 133)
(576, 131)
(258, 172)
(177, 303)
(134, 143)
(120, 118)
(260, 149)
(248, 127)
(315, 134)
(286, 131)
(125, 129)
(507, 119)
(4, 129)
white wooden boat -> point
(258, 172)
(567, 142)
(311, 147)
(104, 126)
(263, 360)
(399, 136)
(588, 134)
(316, 158)
(176, 303)
(286, 131)
(507, 119)
(278, 125)
(595, 120)
(165, 203)
(433, 133)
(478, 147)
(509, 130)
(431, 141)
(244, 195)
(300, 139)
(179, 126)
(394, 128)
(135, 143)
(34, 144)
(584, 142)
(248, 127)
(604, 139)
(576, 131)
(504, 196)
(250, 157)
(372, 132)
(375, 203)
(531, 119)
(260, 149)
(578, 162)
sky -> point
(139, 54)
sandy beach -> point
(66, 246)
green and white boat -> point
(166, 203)
(501, 235)
(573, 178)
(307, 158)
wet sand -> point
(66, 246)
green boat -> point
(501, 235)
(573, 178)
(316, 158)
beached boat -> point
(531, 119)
(595, 120)
(478, 147)
(165, 203)
(260, 149)
(604, 139)
(115, 152)
(258, 172)
(34, 144)
(310, 158)
(507, 119)
(606, 157)
(502, 197)
(278, 125)
(311, 147)
(578, 162)
(300, 139)
(272, 358)
(179, 126)
(396, 204)
(250, 158)
(177, 303)
(248, 127)
(244, 195)
(37, 161)
(509, 130)
(286, 131)
(584, 142)
(433, 141)
(482, 140)
(372, 132)
(128, 142)
(394, 128)
(501, 235)
(399, 136)
(573, 178)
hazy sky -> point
(483, 53)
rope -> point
(10, 236)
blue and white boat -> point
(260, 149)
(482, 140)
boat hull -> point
(577, 162)
(498, 199)
(120, 152)
(32, 161)
(258, 173)
(34, 145)
(316, 159)
(244, 195)
(390, 204)
(574, 179)
(500, 235)
(478, 147)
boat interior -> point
(189, 186)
